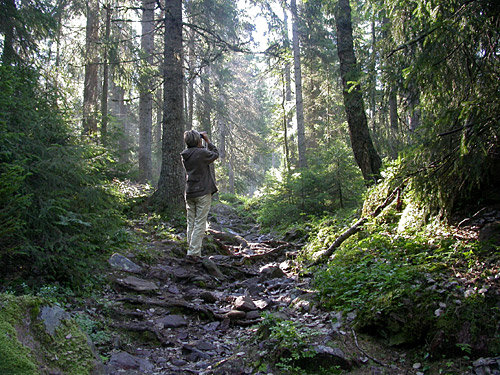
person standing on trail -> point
(200, 185)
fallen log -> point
(357, 226)
(171, 303)
(340, 239)
(228, 238)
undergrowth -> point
(415, 288)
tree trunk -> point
(364, 152)
(301, 137)
(285, 126)
(120, 111)
(90, 94)
(7, 29)
(170, 192)
(373, 79)
(105, 78)
(145, 92)
(288, 79)
(393, 110)
(206, 103)
(191, 79)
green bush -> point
(57, 212)
(331, 183)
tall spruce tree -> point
(170, 191)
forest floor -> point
(243, 309)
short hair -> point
(192, 138)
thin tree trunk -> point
(285, 126)
(301, 137)
(146, 95)
(288, 80)
(90, 94)
(373, 78)
(364, 152)
(105, 78)
(206, 104)
(170, 192)
(393, 110)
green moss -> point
(25, 345)
(15, 358)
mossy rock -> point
(28, 346)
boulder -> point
(123, 362)
(122, 263)
(172, 321)
(244, 303)
(269, 272)
(52, 317)
(212, 268)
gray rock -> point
(269, 272)
(172, 321)
(208, 297)
(212, 268)
(251, 315)
(122, 263)
(236, 315)
(137, 284)
(125, 361)
(204, 345)
(178, 362)
(193, 354)
(244, 303)
(52, 316)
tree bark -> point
(191, 79)
(90, 94)
(7, 28)
(365, 154)
(288, 79)
(105, 78)
(146, 95)
(206, 103)
(301, 137)
(170, 192)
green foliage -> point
(451, 72)
(407, 288)
(288, 342)
(58, 213)
(330, 183)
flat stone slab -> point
(137, 284)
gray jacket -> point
(200, 179)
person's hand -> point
(204, 136)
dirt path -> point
(182, 317)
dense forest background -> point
(303, 111)
(314, 106)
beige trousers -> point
(197, 212)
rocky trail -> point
(187, 317)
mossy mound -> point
(29, 345)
